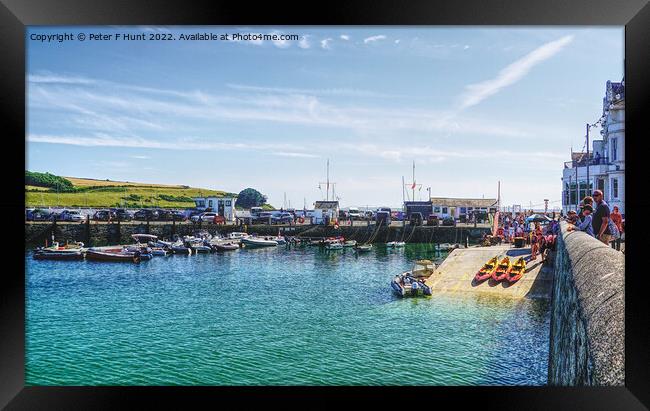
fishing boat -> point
(350, 243)
(253, 242)
(113, 254)
(58, 253)
(501, 271)
(363, 248)
(516, 270)
(488, 268)
(413, 282)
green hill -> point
(106, 193)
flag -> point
(413, 186)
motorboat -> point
(226, 246)
(391, 244)
(179, 247)
(350, 243)
(236, 235)
(413, 282)
(399, 244)
(160, 251)
(113, 254)
(258, 242)
(279, 240)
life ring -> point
(301, 220)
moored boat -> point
(363, 248)
(516, 271)
(399, 244)
(488, 268)
(66, 254)
(350, 243)
(180, 248)
(391, 244)
(226, 246)
(502, 269)
(113, 254)
(334, 246)
(413, 282)
(159, 251)
(258, 242)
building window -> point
(613, 142)
(210, 203)
(463, 210)
(614, 187)
(436, 209)
(444, 210)
(200, 203)
(600, 183)
(228, 203)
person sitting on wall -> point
(585, 225)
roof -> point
(326, 204)
(215, 196)
(463, 202)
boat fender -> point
(301, 220)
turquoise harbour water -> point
(279, 316)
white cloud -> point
(397, 41)
(283, 44)
(374, 38)
(293, 154)
(326, 43)
(304, 42)
(475, 93)
(466, 47)
(345, 37)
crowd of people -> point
(518, 226)
(598, 220)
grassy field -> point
(104, 193)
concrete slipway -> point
(456, 273)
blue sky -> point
(470, 105)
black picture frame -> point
(15, 15)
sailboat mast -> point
(403, 188)
(328, 179)
(413, 186)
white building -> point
(462, 207)
(325, 211)
(606, 160)
(224, 206)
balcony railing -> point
(583, 163)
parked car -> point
(448, 221)
(432, 219)
(178, 215)
(262, 218)
(38, 214)
(69, 215)
(355, 214)
(103, 215)
(369, 215)
(205, 217)
(416, 218)
(122, 214)
(146, 214)
(282, 218)
(164, 215)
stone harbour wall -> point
(587, 337)
(100, 234)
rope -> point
(374, 235)
(411, 235)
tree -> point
(249, 197)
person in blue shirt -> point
(585, 225)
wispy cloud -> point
(304, 42)
(373, 38)
(293, 154)
(326, 43)
(475, 93)
(347, 92)
(345, 37)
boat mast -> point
(403, 187)
(413, 186)
(328, 179)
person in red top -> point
(536, 239)
(617, 219)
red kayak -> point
(502, 270)
(486, 271)
(516, 270)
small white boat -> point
(160, 251)
(363, 248)
(400, 244)
(413, 282)
(391, 244)
(279, 240)
(445, 246)
(258, 242)
(350, 243)
(236, 235)
(180, 248)
(334, 246)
